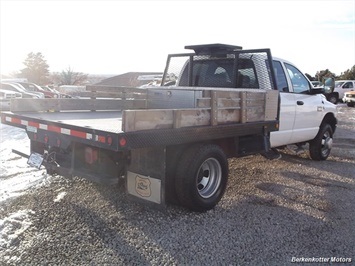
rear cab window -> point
(219, 73)
(280, 76)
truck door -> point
(287, 108)
(308, 108)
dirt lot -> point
(273, 213)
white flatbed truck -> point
(172, 143)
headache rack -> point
(220, 65)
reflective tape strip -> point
(54, 129)
(33, 124)
(42, 126)
(78, 134)
(66, 131)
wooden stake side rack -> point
(217, 106)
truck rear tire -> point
(321, 145)
(350, 104)
(201, 177)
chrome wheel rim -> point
(327, 143)
(209, 178)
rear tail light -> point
(123, 141)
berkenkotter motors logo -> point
(321, 260)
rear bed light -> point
(123, 141)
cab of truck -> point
(304, 115)
(303, 108)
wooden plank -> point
(255, 107)
(256, 104)
(232, 102)
(271, 105)
(25, 105)
(136, 120)
(228, 94)
(228, 116)
(111, 95)
(36, 105)
(203, 102)
(255, 95)
(115, 89)
(221, 102)
(191, 117)
(206, 93)
(214, 109)
(243, 114)
(254, 114)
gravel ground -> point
(273, 213)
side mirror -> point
(328, 84)
(317, 90)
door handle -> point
(300, 103)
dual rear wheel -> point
(201, 177)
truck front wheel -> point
(333, 98)
(321, 145)
(201, 177)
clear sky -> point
(114, 37)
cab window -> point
(280, 77)
(299, 82)
(348, 85)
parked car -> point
(60, 95)
(5, 98)
(342, 86)
(349, 98)
(36, 88)
(47, 88)
(18, 88)
(20, 84)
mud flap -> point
(146, 176)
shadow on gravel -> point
(111, 237)
(254, 230)
(267, 223)
(338, 167)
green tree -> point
(309, 77)
(36, 70)
(320, 75)
(348, 74)
(69, 77)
